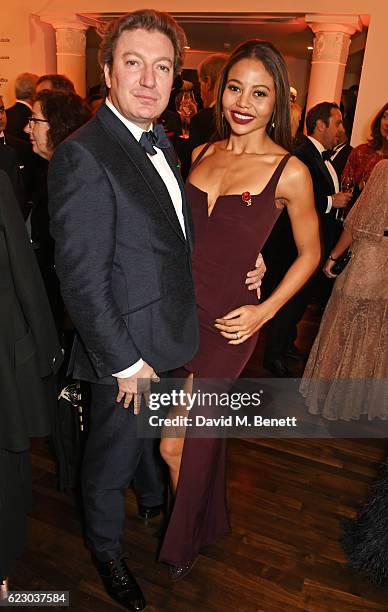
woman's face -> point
(384, 125)
(37, 129)
(249, 97)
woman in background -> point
(55, 115)
(347, 370)
(363, 158)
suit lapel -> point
(321, 165)
(173, 162)
(146, 169)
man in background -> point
(203, 124)
(17, 115)
(11, 161)
(324, 130)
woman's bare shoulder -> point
(211, 149)
(295, 180)
(296, 169)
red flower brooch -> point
(246, 198)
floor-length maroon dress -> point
(227, 243)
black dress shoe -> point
(149, 512)
(278, 368)
(120, 584)
(177, 572)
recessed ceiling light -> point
(310, 48)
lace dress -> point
(347, 371)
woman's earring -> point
(273, 120)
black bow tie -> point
(326, 155)
(154, 138)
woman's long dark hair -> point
(376, 140)
(65, 111)
(275, 65)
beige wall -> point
(31, 42)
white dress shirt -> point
(24, 102)
(166, 174)
(319, 146)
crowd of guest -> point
(344, 188)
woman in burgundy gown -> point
(237, 189)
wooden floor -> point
(286, 498)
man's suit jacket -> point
(339, 161)
(323, 186)
(10, 164)
(123, 262)
(29, 349)
(202, 127)
(29, 162)
(17, 117)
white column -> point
(330, 54)
(71, 45)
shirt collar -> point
(135, 130)
(318, 145)
(25, 103)
(340, 146)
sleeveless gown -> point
(227, 243)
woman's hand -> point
(254, 277)
(327, 268)
(240, 324)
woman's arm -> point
(343, 243)
(295, 187)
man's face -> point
(330, 135)
(206, 94)
(3, 116)
(142, 75)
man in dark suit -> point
(324, 129)
(203, 124)
(30, 356)
(17, 115)
(11, 163)
(339, 155)
(123, 237)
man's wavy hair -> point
(149, 20)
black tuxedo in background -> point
(10, 164)
(30, 355)
(17, 118)
(29, 163)
(124, 267)
(339, 161)
(29, 349)
(282, 329)
(323, 187)
(202, 127)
